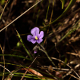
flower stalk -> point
(23, 45)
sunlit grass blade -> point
(12, 55)
(13, 64)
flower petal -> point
(41, 35)
(30, 38)
(35, 51)
(33, 40)
(39, 40)
(35, 31)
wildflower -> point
(35, 51)
(36, 36)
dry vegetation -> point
(58, 56)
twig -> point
(70, 71)
(70, 75)
(61, 69)
(74, 54)
(74, 77)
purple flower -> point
(36, 36)
(35, 52)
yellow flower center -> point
(36, 37)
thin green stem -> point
(43, 50)
(47, 11)
(24, 45)
(3, 10)
(71, 3)
(68, 33)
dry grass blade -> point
(20, 15)
(28, 68)
(6, 69)
(67, 65)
